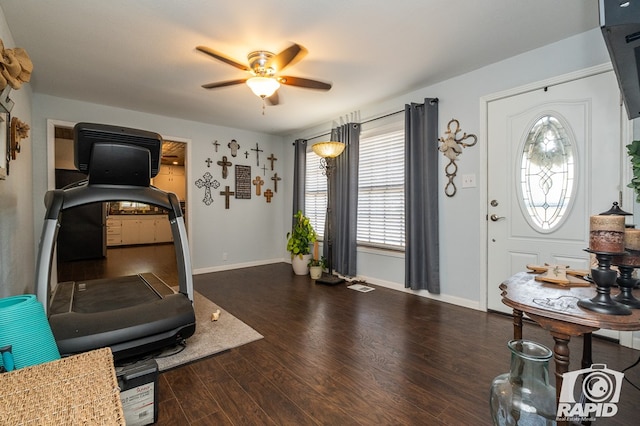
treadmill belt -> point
(108, 294)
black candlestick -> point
(605, 278)
(627, 283)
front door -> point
(553, 161)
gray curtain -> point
(344, 200)
(422, 251)
(299, 176)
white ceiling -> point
(141, 55)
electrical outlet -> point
(469, 181)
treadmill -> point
(136, 314)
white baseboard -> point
(458, 301)
(229, 267)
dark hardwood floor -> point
(334, 356)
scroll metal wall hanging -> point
(451, 146)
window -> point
(315, 202)
(547, 173)
(381, 185)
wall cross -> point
(226, 194)
(208, 161)
(216, 145)
(258, 151)
(272, 159)
(234, 146)
(275, 180)
(224, 163)
(268, 194)
(258, 182)
(207, 182)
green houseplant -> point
(633, 149)
(299, 241)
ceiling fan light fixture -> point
(263, 87)
(330, 149)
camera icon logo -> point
(597, 395)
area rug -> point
(211, 337)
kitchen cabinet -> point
(114, 232)
(138, 229)
(171, 179)
(163, 230)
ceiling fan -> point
(264, 68)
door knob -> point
(494, 217)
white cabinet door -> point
(163, 230)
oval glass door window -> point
(547, 173)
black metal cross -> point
(207, 183)
(208, 161)
(264, 169)
(226, 194)
(258, 151)
(246, 154)
(224, 163)
(272, 158)
(216, 145)
(275, 180)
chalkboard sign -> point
(243, 182)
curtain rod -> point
(433, 101)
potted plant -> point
(317, 264)
(633, 149)
(299, 242)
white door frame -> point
(51, 166)
(626, 131)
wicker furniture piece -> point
(80, 389)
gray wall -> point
(17, 256)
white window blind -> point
(315, 200)
(381, 186)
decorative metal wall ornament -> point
(215, 144)
(258, 182)
(258, 151)
(208, 161)
(224, 163)
(207, 182)
(451, 146)
(268, 194)
(19, 131)
(272, 158)
(264, 169)
(246, 154)
(233, 146)
(275, 180)
(226, 194)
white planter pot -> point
(315, 272)
(300, 266)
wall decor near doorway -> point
(18, 131)
(5, 144)
(207, 182)
(451, 146)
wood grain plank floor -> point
(334, 356)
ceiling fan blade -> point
(273, 99)
(288, 56)
(304, 82)
(223, 58)
(224, 83)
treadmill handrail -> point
(59, 200)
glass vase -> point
(523, 396)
